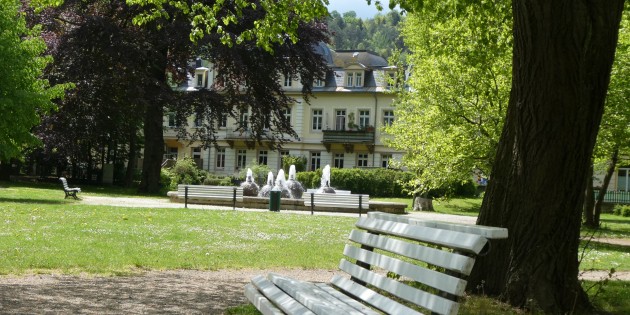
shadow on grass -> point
(35, 201)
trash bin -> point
(274, 199)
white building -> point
(340, 127)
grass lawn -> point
(45, 233)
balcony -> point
(348, 139)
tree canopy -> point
(24, 94)
(450, 118)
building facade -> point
(342, 125)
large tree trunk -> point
(612, 164)
(132, 161)
(589, 200)
(563, 53)
(153, 148)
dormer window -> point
(354, 78)
(319, 83)
(199, 80)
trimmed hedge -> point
(622, 210)
(379, 182)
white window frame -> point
(385, 160)
(362, 159)
(317, 119)
(388, 117)
(241, 159)
(220, 164)
(364, 118)
(338, 159)
(354, 78)
(288, 82)
(340, 119)
(315, 161)
(263, 157)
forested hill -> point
(379, 34)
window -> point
(241, 159)
(196, 153)
(287, 80)
(385, 160)
(358, 79)
(220, 158)
(171, 120)
(391, 79)
(262, 157)
(316, 158)
(198, 121)
(319, 83)
(362, 160)
(388, 117)
(287, 114)
(243, 120)
(340, 119)
(199, 79)
(318, 117)
(223, 122)
(354, 79)
(364, 118)
(171, 153)
(338, 160)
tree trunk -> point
(563, 53)
(589, 200)
(153, 148)
(612, 164)
(132, 162)
(422, 204)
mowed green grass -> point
(45, 233)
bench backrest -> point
(64, 182)
(338, 200)
(203, 191)
(434, 257)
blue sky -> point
(361, 7)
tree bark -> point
(612, 164)
(562, 57)
(153, 148)
(589, 200)
(132, 161)
(421, 203)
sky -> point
(361, 7)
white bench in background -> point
(70, 192)
(346, 201)
(204, 192)
(453, 252)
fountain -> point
(281, 183)
(295, 188)
(325, 182)
(265, 190)
(250, 188)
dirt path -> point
(167, 292)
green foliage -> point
(450, 119)
(185, 171)
(375, 182)
(282, 17)
(298, 160)
(259, 172)
(622, 210)
(24, 95)
(380, 34)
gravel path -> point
(163, 292)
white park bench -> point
(336, 201)
(439, 258)
(70, 192)
(204, 192)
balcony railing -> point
(348, 136)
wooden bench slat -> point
(432, 278)
(372, 297)
(347, 300)
(279, 298)
(424, 299)
(485, 231)
(457, 240)
(312, 297)
(260, 301)
(451, 261)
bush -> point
(622, 210)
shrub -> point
(298, 161)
